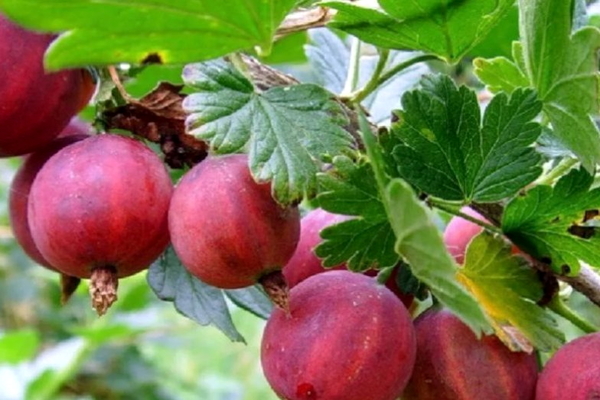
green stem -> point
(374, 155)
(444, 207)
(353, 68)
(404, 65)
(383, 78)
(372, 84)
(565, 165)
(558, 306)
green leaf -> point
(288, 50)
(448, 153)
(288, 131)
(146, 79)
(18, 346)
(550, 147)
(419, 241)
(251, 299)
(500, 74)
(192, 298)
(540, 222)
(447, 28)
(562, 66)
(507, 289)
(409, 284)
(104, 32)
(329, 57)
(363, 242)
(498, 42)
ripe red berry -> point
(227, 229)
(35, 106)
(452, 364)
(573, 372)
(305, 263)
(98, 209)
(346, 337)
(21, 185)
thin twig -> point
(404, 65)
(114, 76)
(353, 68)
(587, 282)
(303, 20)
(558, 306)
(449, 210)
(373, 83)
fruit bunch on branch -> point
(410, 204)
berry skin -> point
(21, 186)
(98, 209)
(35, 106)
(452, 364)
(226, 229)
(346, 337)
(305, 263)
(572, 372)
(459, 233)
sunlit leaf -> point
(103, 32)
(507, 288)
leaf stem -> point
(444, 207)
(372, 84)
(375, 156)
(383, 78)
(565, 165)
(114, 76)
(558, 306)
(353, 68)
